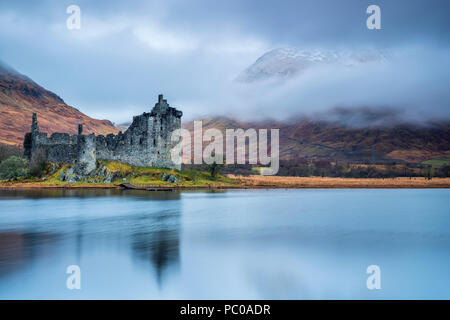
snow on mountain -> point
(287, 62)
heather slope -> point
(20, 97)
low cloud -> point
(413, 82)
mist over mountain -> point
(358, 134)
(369, 117)
(359, 105)
(287, 82)
(287, 62)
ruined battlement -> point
(145, 143)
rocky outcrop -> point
(98, 175)
(169, 178)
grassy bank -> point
(193, 179)
(123, 173)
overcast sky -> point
(127, 52)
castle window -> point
(141, 140)
(154, 142)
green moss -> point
(54, 178)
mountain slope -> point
(20, 97)
(306, 138)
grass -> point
(140, 176)
(150, 175)
(256, 170)
(437, 162)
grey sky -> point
(129, 51)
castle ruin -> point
(147, 142)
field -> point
(325, 182)
(247, 182)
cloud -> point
(91, 29)
(414, 82)
(157, 38)
(125, 54)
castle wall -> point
(145, 143)
(86, 153)
(58, 148)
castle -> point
(147, 142)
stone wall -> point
(145, 143)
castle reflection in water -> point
(153, 237)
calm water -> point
(258, 244)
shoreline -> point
(264, 182)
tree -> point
(7, 151)
(13, 168)
(429, 173)
(214, 168)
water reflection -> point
(18, 249)
(147, 228)
(161, 247)
(15, 194)
(252, 244)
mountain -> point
(286, 62)
(335, 140)
(356, 135)
(363, 135)
(20, 97)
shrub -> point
(214, 168)
(13, 168)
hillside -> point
(20, 97)
(306, 138)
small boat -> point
(130, 186)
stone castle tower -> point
(147, 142)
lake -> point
(239, 244)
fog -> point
(413, 81)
